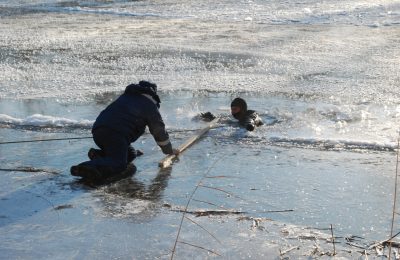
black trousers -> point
(116, 151)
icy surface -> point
(322, 74)
(334, 49)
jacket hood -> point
(144, 87)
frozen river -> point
(322, 74)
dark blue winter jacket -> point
(130, 113)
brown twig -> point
(187, 205)
(194, 222)
(365, 253)
(251, 218)
(396, 254)
(333, 241)
(202, 213)
(209, 203)
(207, 212)
(45, 140)
(277, 211)
(27, 169)
(394, 195)
(355, 245)
(200, 247)
(220, 176)
(218, 189)
(282, 253)
(383, 241)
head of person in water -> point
(238, 108)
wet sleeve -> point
(157, 129)
(252, 120)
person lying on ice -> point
(247, 118)
(117, 126)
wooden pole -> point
(167, 161)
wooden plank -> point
(167, 161)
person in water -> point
(117, 126)
(247, 118)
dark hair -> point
(239, 102)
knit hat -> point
(144, 87)
(147, 84)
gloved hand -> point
(175, 152)
(208, 116)
(250, 127)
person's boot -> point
(87, 172)
(133, 153)
(95, 153)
